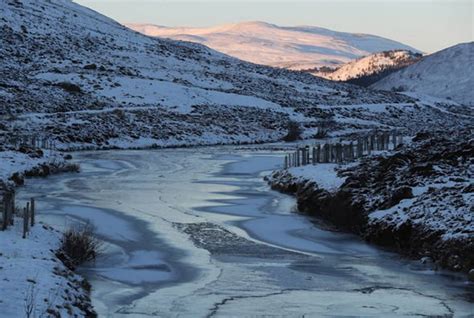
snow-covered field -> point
(34, 282)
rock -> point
(422, 136)
(90, 67)
(398, 195)
(423, 169)
(18, 179)
(470, 275)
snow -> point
(325, 175)
(437, 212)
(444, 74)
(370, 64)
(29, 267)
(295, 48)
(14, 161)
(146, 91)
(162, 93)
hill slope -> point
(87, 81)
(372, 68)
(297, 48)
(445, 74)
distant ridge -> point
(445, 74)
(296, 48)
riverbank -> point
(417, 200)
(16, 164)
(35, 281)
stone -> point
(470, 275)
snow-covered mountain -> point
(87, 81)
(369, 69)
(296, 48)
(445, 74)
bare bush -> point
(325, 124)
(294, 131)
(80, 245)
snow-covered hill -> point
(87, 81)
(371, 68)
(445, 74)
(297, 48)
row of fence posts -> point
(35, 141)
(343, 152)
(8, 210)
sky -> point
(424, 24)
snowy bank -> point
(16, 164)
(417, 200)
(325, 176)
(34, 280)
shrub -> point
(324, 126)
(398, 89)
(79, 244)
(90, 67)
(69, 87)
(294, 131)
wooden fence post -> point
(332, 152)
(32, 212)
(360, 148)
(5, 220)
(7, 206)
(12, 206)
(25, 221)
(338, 149)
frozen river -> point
(198, 233)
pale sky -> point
(424, 24)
